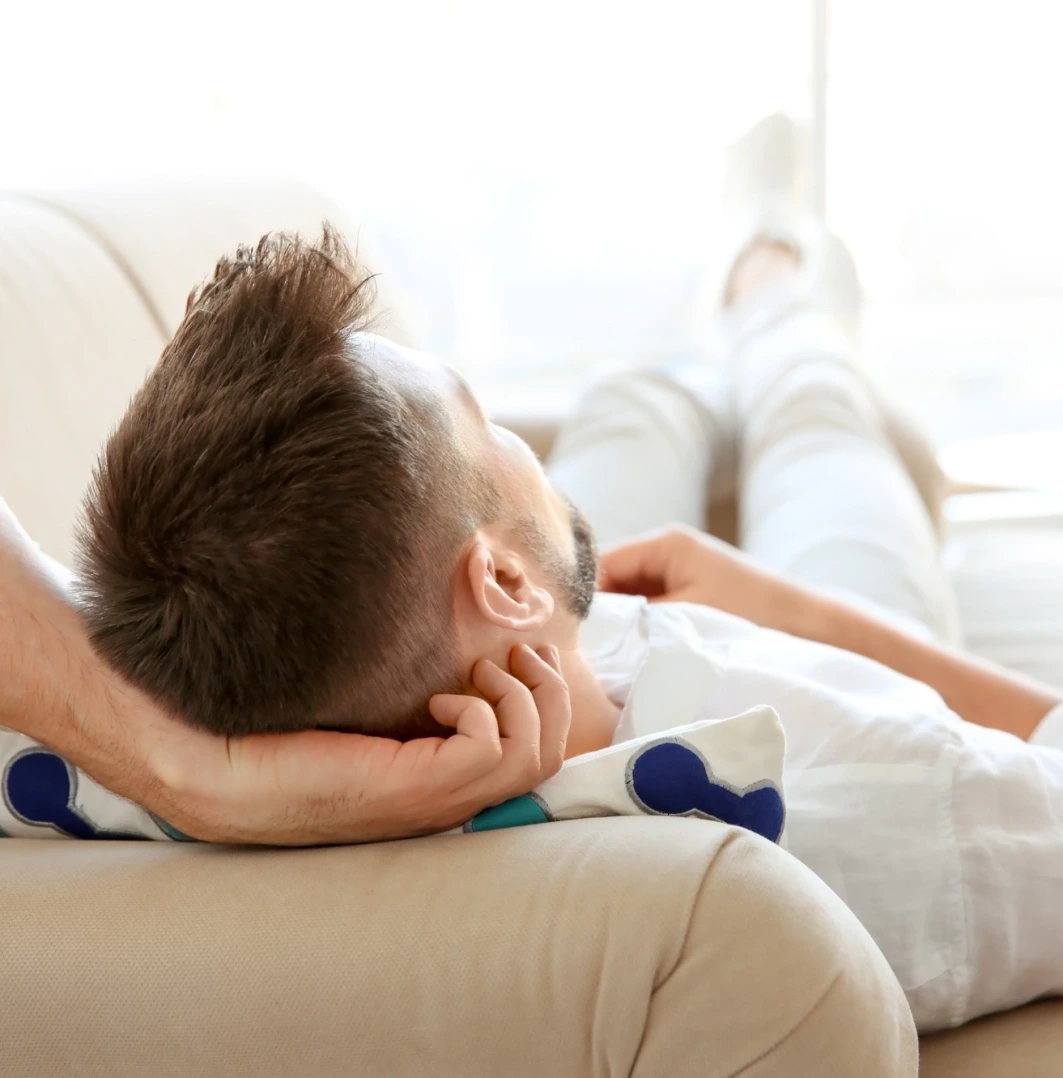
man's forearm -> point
(680, 564)
(976, 690)
(45, 660)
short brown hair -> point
(271, 531)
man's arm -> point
(307, 788)
(682, 565)
(976, 690)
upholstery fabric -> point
(194, 221)
(643, 946)
(1026, 1042)
(75, 341)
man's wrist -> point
(816, 617)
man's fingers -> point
(530, 713)
(467, 715)
(541, 673)
(537, 669)
(476, 749)
(639, 567)
(518, 722)
(500, 689)
(619, 564)
(513, 704)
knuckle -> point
(530, 768)
(523, 692)
(481, 708)
(551, 761)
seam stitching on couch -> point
(112, 252)
(733, 833)
(790, 1032)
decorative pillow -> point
(727, 769)
(718, 769)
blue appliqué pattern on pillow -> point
(671, 778)
(39, 789)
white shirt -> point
(892, 799)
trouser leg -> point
(824, 495)
(642, 447)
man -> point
(204, 595)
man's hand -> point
(681, 565)
(318, 787)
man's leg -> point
(961, 881)
(825, 496)
(643, 447)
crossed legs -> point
(823, 493)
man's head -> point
(298, 523)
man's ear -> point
(503, 592)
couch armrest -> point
(599, 947)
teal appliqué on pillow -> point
(177, 836)
(516, 812)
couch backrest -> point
(92, 284)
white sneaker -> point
(771, 163)
(767, 195)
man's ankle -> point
(764, 260)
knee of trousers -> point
(820, 392)
(637, 402)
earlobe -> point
(504, 593)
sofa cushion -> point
(643, 947)
(170, 233)
(75, 342)
(1026, 1042)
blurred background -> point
(543, 181)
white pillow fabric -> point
(718, 769)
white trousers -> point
(825, 495)
(963, 887)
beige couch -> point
(656, 947)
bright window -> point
(544, 179)
(944, 173)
